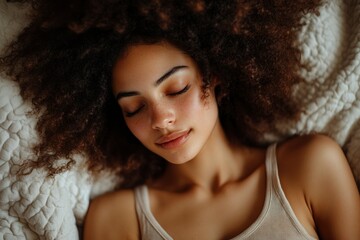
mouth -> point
(173, 140)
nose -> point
(162, 116)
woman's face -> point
(159, 90)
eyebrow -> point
(168, 74)
(157, 82)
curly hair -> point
(63, 62)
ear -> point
(214, 82)
(218, 89)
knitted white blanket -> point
(34, 207)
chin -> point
(178, 158)
(179, 161)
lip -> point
(173, 140)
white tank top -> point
(277, 220)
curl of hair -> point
(63, 62)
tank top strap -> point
(271, 167)
(276, 188)
(150, 229)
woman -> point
(173, 96)
(213, 188)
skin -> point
(214, 189)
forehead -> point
(146, 63)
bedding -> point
(35, 207)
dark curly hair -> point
(63, 62)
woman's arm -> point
(334, 195)
(319, 167)
(112, 216)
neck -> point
(218, 163)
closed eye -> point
(130, 114)
(184, 90)
(133, 113)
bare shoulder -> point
(313, 154)
(317, 165)
(112, 216)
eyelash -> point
(184, 90)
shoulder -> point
(112, 216)
(313, 156)
(310, 145)
(311, 149)
(314, 161)
(317, 166)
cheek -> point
(196, 106)
(138, 127)
(190, 105)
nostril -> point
(162, 116)
(163, 123)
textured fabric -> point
(276, 220)
(34, 207)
